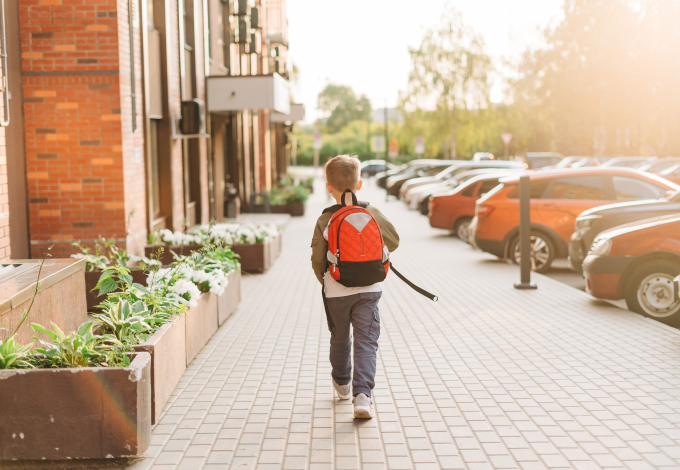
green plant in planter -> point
(154, 308)
(105, 252)
(14, 355)
(296, 195)
(126, 321)
(78, 349)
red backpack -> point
(357, 255)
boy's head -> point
(342, 173)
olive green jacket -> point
(320, 244)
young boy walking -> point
(355, 306)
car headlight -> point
(586, 221)
(601, 247)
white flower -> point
(183, 287)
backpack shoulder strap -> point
(331, 209)
(337, 207)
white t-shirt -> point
(335, 289)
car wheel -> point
(542, 252)
(461, 228)
(425, 206)
(650, 292)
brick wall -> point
(86, 167)
(72, 108)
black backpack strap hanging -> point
(419, 290)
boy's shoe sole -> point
(362, 412)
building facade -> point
(111, 130)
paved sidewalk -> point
(488, 377)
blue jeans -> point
(361, 311)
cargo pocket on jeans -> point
(374, 331)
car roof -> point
(539, 174)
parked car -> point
(658, 166)
(536, 160)
(482, 156)
(566, 162)
(421, 199)
(594, 221)
(395, 182)
(672, 174)
(637, 262)
(381, 178)
(371, 167)
(558, 197)
(455, 208)
(447, 175)
(627, 162)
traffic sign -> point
(318, 143)
(506, 138)
(378, 143)
(393, 149)
(420, 146)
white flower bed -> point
(186, 284)
(227, 233)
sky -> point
(364, 43)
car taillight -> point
(483, 210)
(434, 202)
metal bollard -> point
(525, 234)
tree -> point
(343, 106)
(606, 81)
(450, 72)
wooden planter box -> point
(295, 210)
(167, 348)
(227, 303)
(201, 324)
(60, 298)
(83, 413)
(256, 258)
(91, 279)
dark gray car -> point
(598, 219)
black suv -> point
(598, 219)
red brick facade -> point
(87, 158)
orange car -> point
(557, 198)
(637, 262)
(455, 208)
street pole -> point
(507, 151)
(524, 234)
(386, 152)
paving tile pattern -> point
(487, 378)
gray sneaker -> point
(362, 406)
(344, 391)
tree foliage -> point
(606, 81)
(343, 106)
(450, 73)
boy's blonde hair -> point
(342, 172)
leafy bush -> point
(78, 349)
